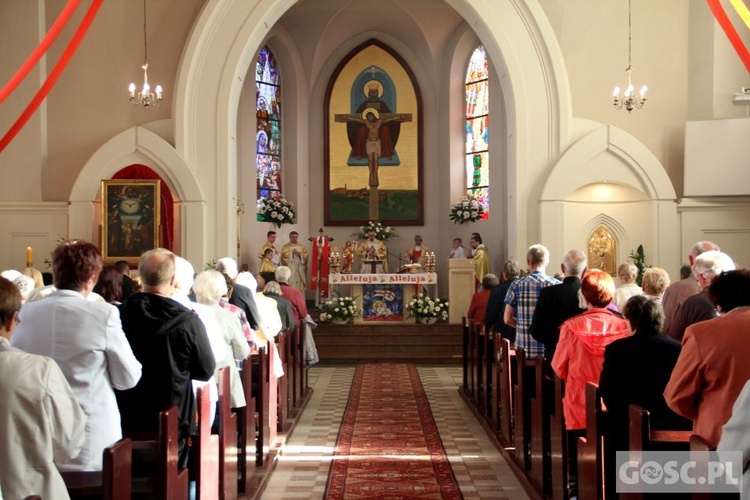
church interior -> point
(563, 163)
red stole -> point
(320, 265)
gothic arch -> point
(640, 168)
(137, 145)
(651, 219)
(227, 34)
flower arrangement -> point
(276, 210)
(469, 209)
(382, 233)
(339, 309)
(422, 306)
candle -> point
(29, 257)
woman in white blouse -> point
(86, 340)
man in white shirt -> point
(458, 252)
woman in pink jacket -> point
(580, 353)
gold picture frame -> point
(130, 218)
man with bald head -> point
(171, 343)
(679, 291)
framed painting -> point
(130, 215)
(373, 140)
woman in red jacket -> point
(580, 352)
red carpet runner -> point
(388, 446)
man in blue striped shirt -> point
(520, 301)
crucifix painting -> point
(373, 169)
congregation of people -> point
(97, 354)
(676, 349)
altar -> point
(383, 297)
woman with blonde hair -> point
(628, 274)
(655, 282)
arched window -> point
(478, 130)
(268, 126)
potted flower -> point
(469, 209)
(275, 209)
(382, 233)
(339, 310)
(426, 309)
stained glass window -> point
(478, 129)
(268, 125)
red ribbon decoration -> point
(54, 74)
(730, 31)
(41, 49)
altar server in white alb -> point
(87, 341)
(294, 256)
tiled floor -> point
(302, 467)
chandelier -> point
(630, 100)
(144, 96)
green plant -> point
(639, 259)
(339, 309)
(422, 305)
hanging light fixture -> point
(145, 97)
(630, 100)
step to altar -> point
(440, 343)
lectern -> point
(460, 288)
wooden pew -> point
(480, 387)
(495, 375)
(505, 393)
(642, 438)
(204, 463)
(260, 390)
(539, 446)
(472, 360)
(590, 449)
(227, 439)
(465, 353)
(293, 356)
(523, 386)
(112, 482)
(558, 444)
(282, 383)
(247, 430)
(158, 474)
(301, 366)
(489, 367)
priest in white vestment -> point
(294, 256)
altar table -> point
(379, 288)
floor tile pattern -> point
(305, 458)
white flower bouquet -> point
(469, 209)
(339, 309)
(422, 306)
(382, 233)
(276, 210)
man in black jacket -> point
(171, 343)
(558, 303)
